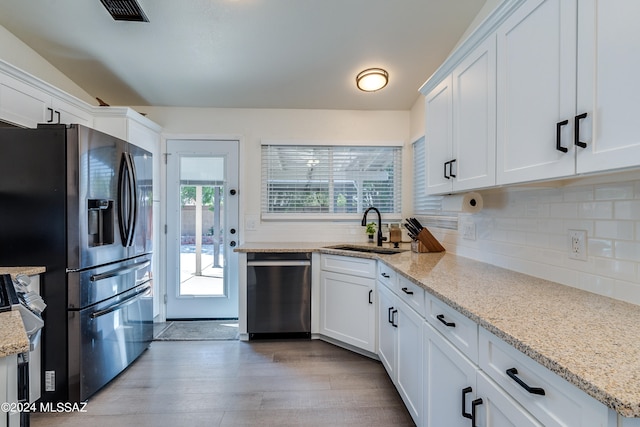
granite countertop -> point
(29, 271)
(13, 338)
(589, 340)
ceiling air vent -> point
(125, 10)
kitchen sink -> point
(370, 249)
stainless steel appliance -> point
(279, 295)
(79, 202)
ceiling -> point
(245, 53)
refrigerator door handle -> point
(133, 181)
(122, 303)
(127, 200)
(120, 271)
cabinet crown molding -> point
(485, 29)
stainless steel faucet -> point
(364, 222)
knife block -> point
(426, 243)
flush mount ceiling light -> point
(372, 79)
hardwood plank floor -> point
(235, 383)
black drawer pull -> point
(513, 372)
(464, 401)
(440, 317)
(370, 293)
(473, 411)
(407, 291)
(385, 275)
(559, 146)
(390, 316)
(576, 135)
(451, 174)
(393, 318)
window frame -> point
(332, 215)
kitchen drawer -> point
(387, 275)
(412, 294)
(354, 266)
(456, 327)
(562, 404)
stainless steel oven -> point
(279, 295)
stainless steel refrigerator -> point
(79, 202)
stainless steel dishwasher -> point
(278, 295)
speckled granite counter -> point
(590, 340)
(29, 271)
(13, 338)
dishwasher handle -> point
(282, 263)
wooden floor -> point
(235, 383)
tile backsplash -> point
(527, 230)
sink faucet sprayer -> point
(364, 223)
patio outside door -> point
(202, 229)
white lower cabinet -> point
(400, 348)
(409, 369)
(449, 382)
(347, 301)
(495, 408)
(387, 331)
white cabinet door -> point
(608, 84)
(495, 408)
(347, 309)
(22, 104)
(474, 118)
(387, 330)
(536, 90)
(67, 113)
(449, 382)
(439, 137)
(409, 368)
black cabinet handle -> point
(451, 174)
(58, 116)
(576, 135)
(390, 316)
(559, 146)
(407, 291)
(393, 318)
(474, 404)
(385, 275)
(370, 294)
(445, 170)
(440, 317)
(513, 372)
(464, 401)
(50, 120)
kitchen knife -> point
(417, 223)
(411, 235)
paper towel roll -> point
(468, 203)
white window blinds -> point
(330, 180)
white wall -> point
(18, 54)
(254, 125)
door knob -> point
(232, 231)
(233, 191)
(232, 243)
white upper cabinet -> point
(565, 90)
(29, 102)
(608, 84)
(439, 137)
(461, 126)
(536, 91)
(474, 119)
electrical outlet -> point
(469, 230)
(578, 244)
